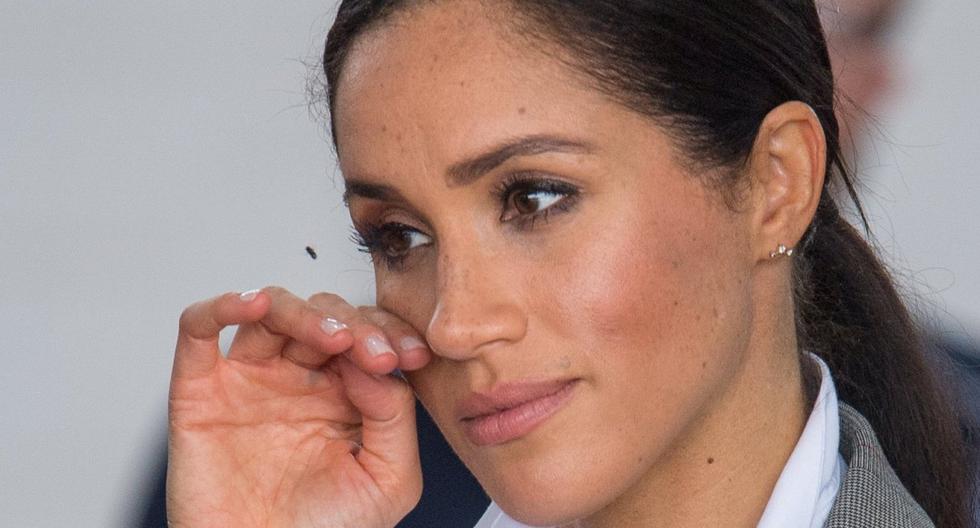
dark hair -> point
(710, 71)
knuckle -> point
(325, 298)
(188, 318)
(274, 290)
(379, 317)
(369, 312)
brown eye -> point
(396, 242)
(526, 203)
(389, 244)
(526, 198)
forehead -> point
(444, 80)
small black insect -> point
(311, 252)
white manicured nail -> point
(249, 296)
(377, 346)
(331, 326)
(410, 343)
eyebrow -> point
(470, 170)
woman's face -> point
(543, 238)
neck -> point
(726, 464)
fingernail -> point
(377, 346)
(331, 326)
(410, 343)
(249, 296)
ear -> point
(787, 169)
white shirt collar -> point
(812, 476)
(805, 489)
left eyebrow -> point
(470, 170)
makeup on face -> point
(551, 249)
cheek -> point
(662, 297)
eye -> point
(391, 243)
(526, 203)
(527, 199)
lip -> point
(510, 411)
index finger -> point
(201, 323)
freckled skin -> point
(645, 289)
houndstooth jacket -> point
(870, 494)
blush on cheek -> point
(658, 291)
(632, 287)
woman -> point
(609, 264)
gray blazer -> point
(871, 494)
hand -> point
(298, 426)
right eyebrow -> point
(371, 191)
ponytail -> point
(850, 314)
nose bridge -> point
(476, 303)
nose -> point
(477, 306)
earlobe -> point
(788, 166)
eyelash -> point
(370, 237)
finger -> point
(389, 443)
(201, 323)
(290, 318)
(371, 350)
(413, 353)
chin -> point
(553, 505)
(549, 490)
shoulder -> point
(871, 493)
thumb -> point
(389, 442)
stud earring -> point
(782, 251)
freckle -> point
(384, 128)
(522, 110)
(676, 264)
(677, 303)
(462, 84)
(711, 460)
(435, 58)
(704, 364)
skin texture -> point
(660, 299)
(640, 283)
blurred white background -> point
(155, 153)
